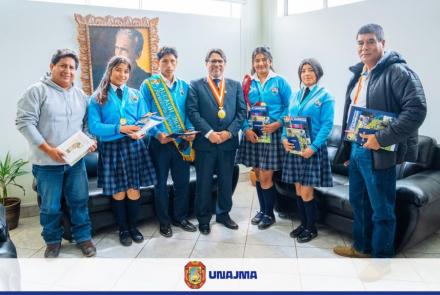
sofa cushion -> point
(92, 164)
(335, 200)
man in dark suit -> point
(216, 108)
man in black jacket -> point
(381, 81)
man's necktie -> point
(305, 94)
(217, 82)
(119, 93)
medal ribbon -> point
(219, 94)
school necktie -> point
(119, 93)
(305, 94)
(217, 82)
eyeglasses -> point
(216, 61)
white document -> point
(75, 147)
(147, 122)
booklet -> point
(298, 130)
(148, 121)
(259, 117)
(75, 147)
(182, 134)
(367, 121)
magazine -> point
(298, 130)
(147, 122)
(367, 121)
(75, 147)
(259, 116)
(182, 134)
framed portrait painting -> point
(100, 38)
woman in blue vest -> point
(267, 94)
(124, 162)
(310, 168)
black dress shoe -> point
(52, 250)
(266, 222)
(204, 229)
(186, 225)
(125, 238)
(257, 218)
(165, 230)
(136, 235)
(297, 231)
(306, 236)
(228, 222)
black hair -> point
(316, 66)
(215, 50)
(62, 53)
(372, 29)
(165, 51)
(264, 50)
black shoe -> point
(228, 222)
(87, 248)
(297, 231)
(52, 250)
(125, 238)
(186, 225)
(266, 222)
(165, 230)
(204, 228)
(306, 236)
(136, 235)
(257, 218)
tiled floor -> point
(247, 242)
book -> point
(298, 131)
(259, 117)
(182, 134)
(75, 147)
(148, 121)
(367, 121)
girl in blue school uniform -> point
(311, 168)
(272, 92)
(124, 162)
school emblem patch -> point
(274, 90)
(195, 274)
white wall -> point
(411, 28)
(32, 31)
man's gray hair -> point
(215, 50)
(372, 29)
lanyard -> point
(219, 94)
(359, 87)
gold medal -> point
(263, 104)
(123, 121)
(221, 113)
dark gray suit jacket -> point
(202, 109)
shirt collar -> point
(169, 82)
(114, 87)
(271, 74)
(311, 88)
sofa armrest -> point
(3, 225)
(419, 189)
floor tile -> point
(110, 246)
(276, 235)
(162, 247)
(259, 251)
(206, 249)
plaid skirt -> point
(314, 171)
(266, 156)
(124, 164)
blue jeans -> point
(55, 182)
(372, 197)
(165, 158)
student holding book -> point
(124, 162)
(311, 168)
(166, 95)
(267, 95)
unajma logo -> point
(195, 274)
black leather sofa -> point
(7, 248)
(417, 200)
(100, 206)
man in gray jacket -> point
(49, 112)
(382, 81)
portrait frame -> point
(90, 26)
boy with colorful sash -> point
(166, 95)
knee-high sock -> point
(269, 199)
(260, 196)
(133, 212)
(311, 209)
(301, 211)
(120, 214)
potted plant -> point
(9, 171)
